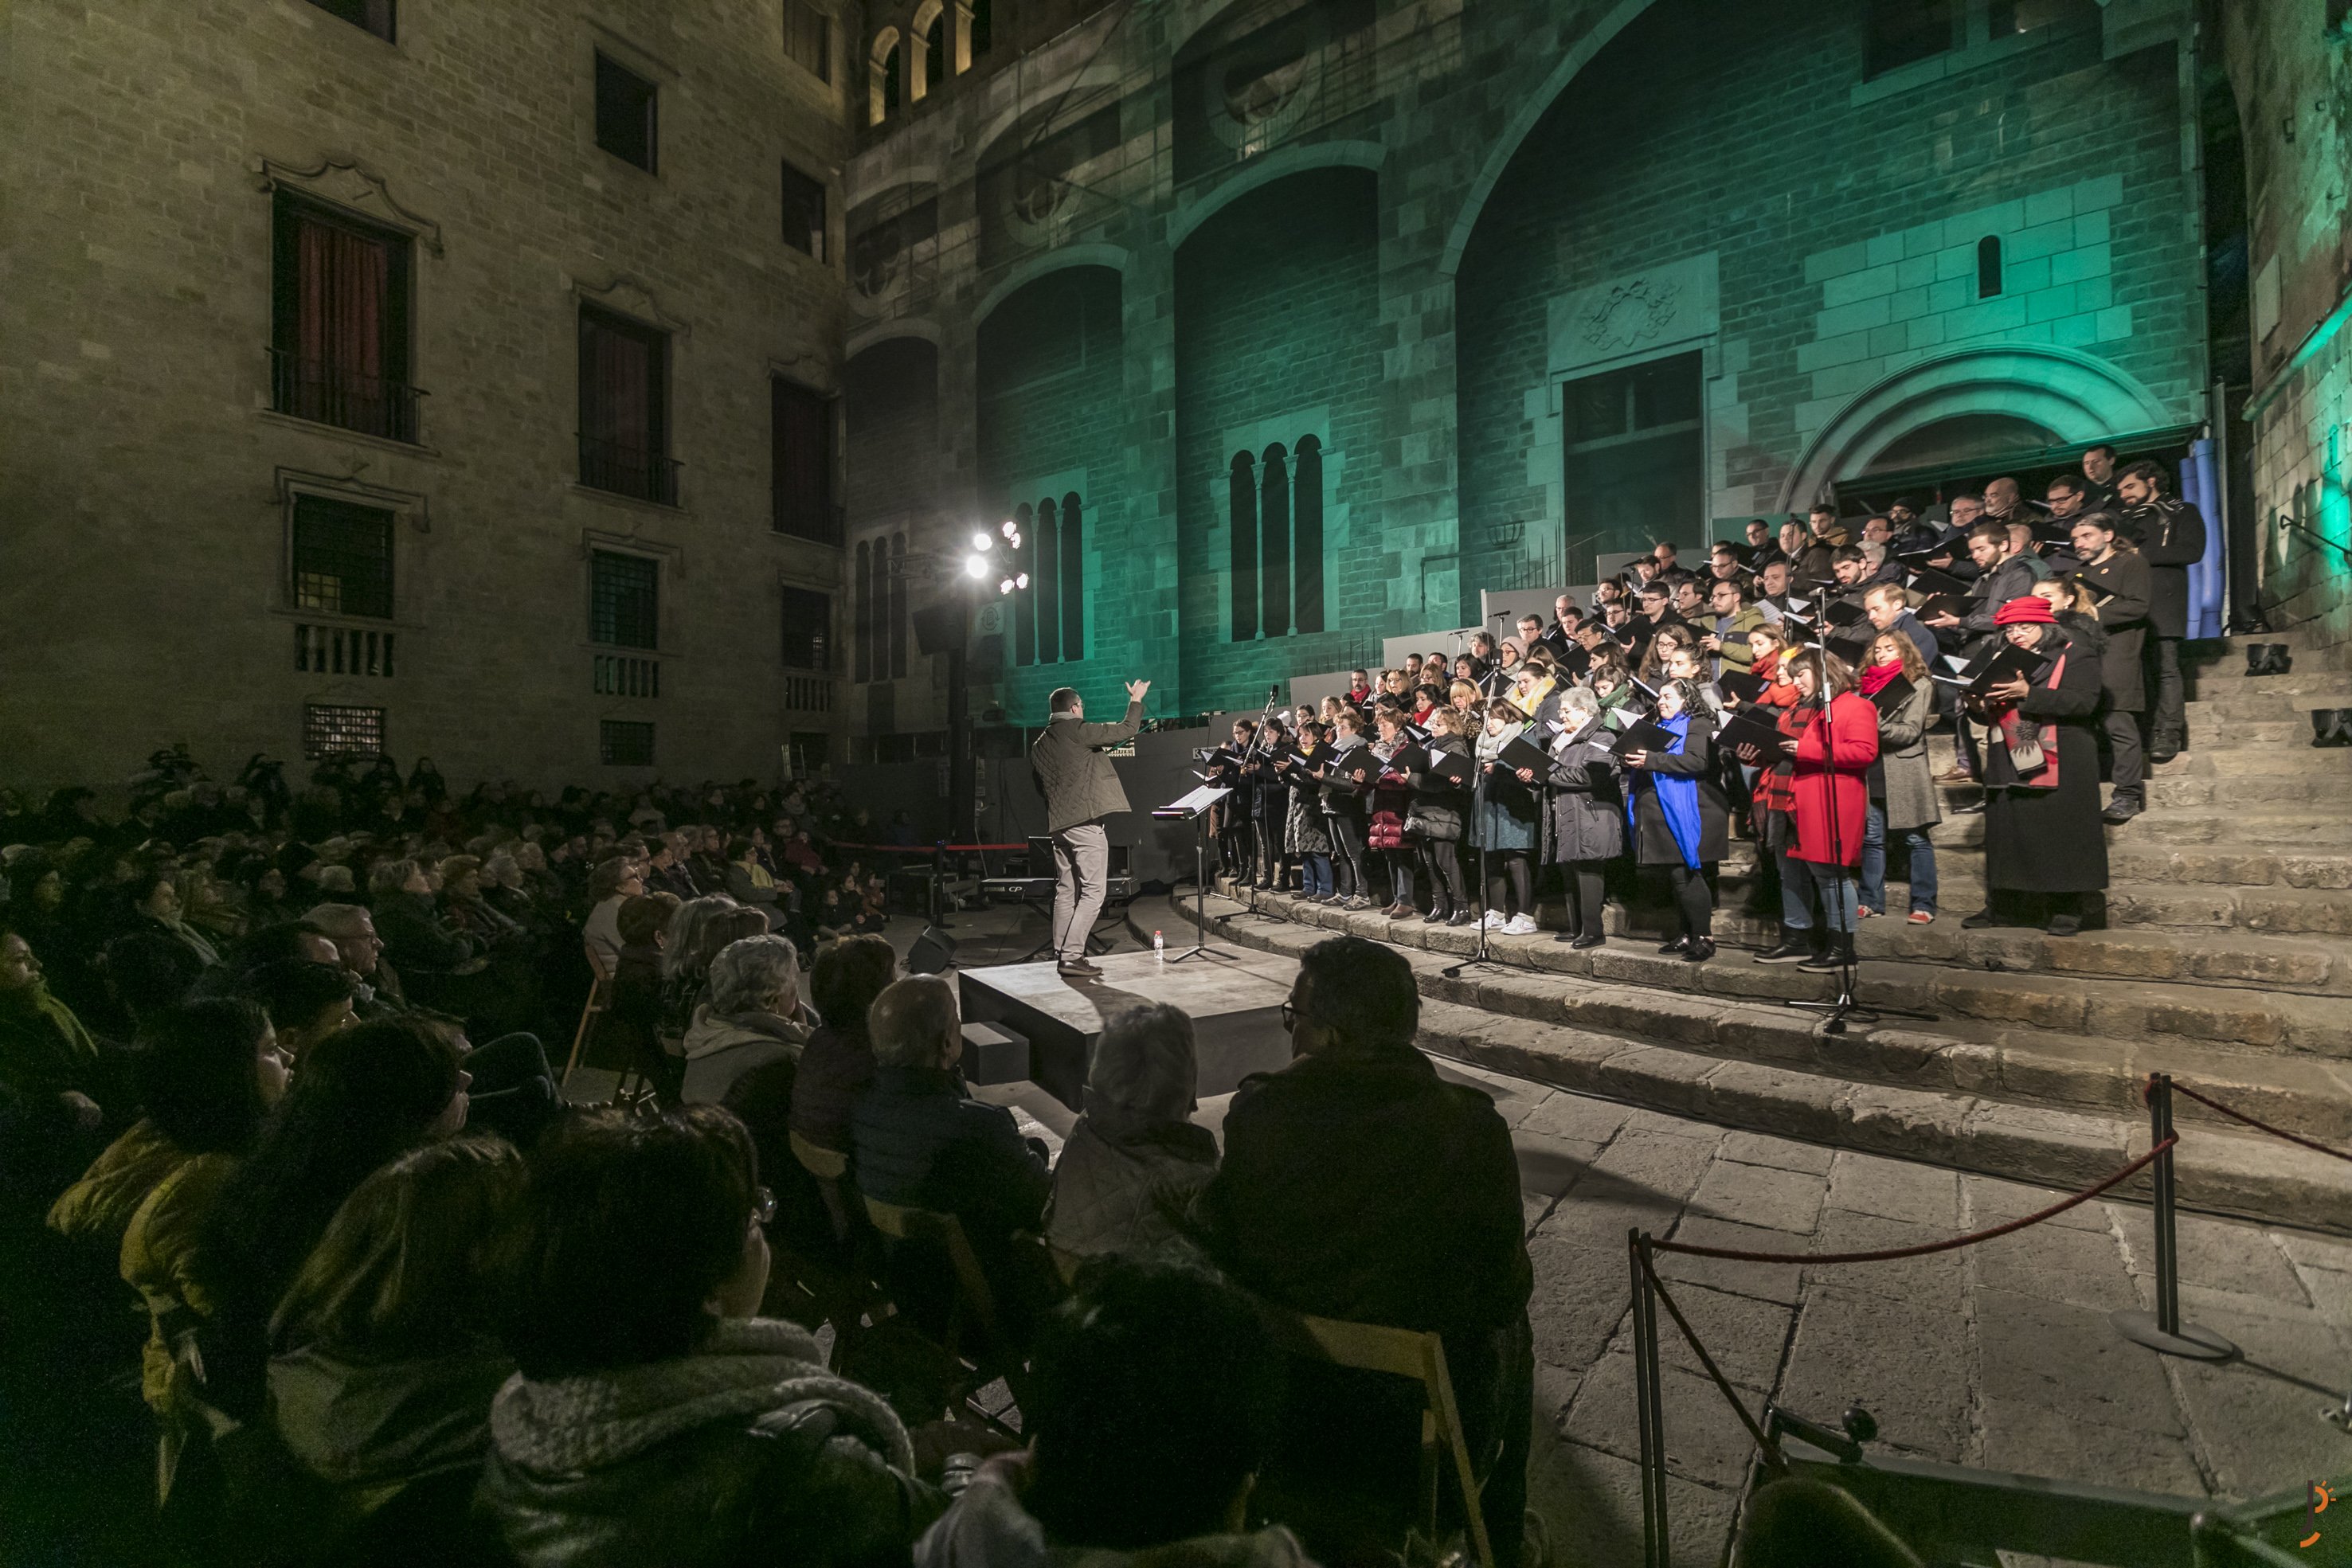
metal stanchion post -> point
(1649, 1406)
(2162, 1330)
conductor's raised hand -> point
(1135, 690)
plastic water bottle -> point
(1158, 948)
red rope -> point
(1890, 1254)
(2259, 1126)
(920, 849)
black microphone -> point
(1273, 691)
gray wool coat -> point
(1909, 791)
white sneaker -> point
(1494, 921)
(1520, 925)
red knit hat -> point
(2030, 610)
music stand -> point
(1194, 808)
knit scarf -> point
(1677, 797)
(1878, 677)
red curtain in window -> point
(346, 281)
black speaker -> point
(933, 951)
(1041, 856)
(940, 629)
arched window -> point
(862, 615)
(897, 608)
(1276, 500)
(1307, 534)
(932, 62)
(1025, 621)
(882, 77)
(1241, 499)
(1987, 267)
(1048, 583)
(1074, 577)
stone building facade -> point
(227, 520)
(1329, 314)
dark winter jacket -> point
(1077, 780)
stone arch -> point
(1532, 107)
(2076, 396)
(1265, 169)
(920, 64)
(883, 62)
(1035, 267)
(922, 327)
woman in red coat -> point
(1836, 740)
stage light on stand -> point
(975, 565)
(1021, 580)
(983, 543)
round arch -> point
(1057, 260)
(1532, 107)
(2076, 396)
(1265, 169)
(921, 326)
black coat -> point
(2123, 582)
(1438, 808)
(2171, 536)
(2051, 841)
(1585, 812)
(1654, 841)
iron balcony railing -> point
(331, 394)
(632, 471)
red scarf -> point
(1878, 677)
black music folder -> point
(1752, 726)
(1891, 696)
(1745, 684)
(1519, 752)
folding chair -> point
(841, 1290)
(975, 1340)
(600, 998)
(1401, 1353)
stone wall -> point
(2292, 81)
(145, 594)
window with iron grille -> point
(341, 556)
(339, 349)
(624, 599)
(626, 742)
(808, 630)
(624, 113)
(368, 15)
(333, 730)
(808, 38)
(804, 212)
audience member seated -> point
(612, 884)
(1357, 1183)
(836, 1066)
(1157, 1397)
(1134, 1159)
(654, 1419)
(359, 952)
(385, 1356)
(920, 1140)
(306, 1002)
(748, 882)
(362, 1097)
(49, 1059)
(695, 934)
(753, 1020)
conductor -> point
(1081, 790)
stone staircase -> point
(2226, 961)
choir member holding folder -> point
(1677, 812)
(2044, 848)
(1903, 797)
(1585, 810)
(1438, 773)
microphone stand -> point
(1264, 723)
(1481, 955)
(1845, 1009)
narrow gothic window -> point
(897, 608)
(1307, 534)
(1074, 579)
(1241, 496)
(1274, 540)
(1025, 627)
(861, 634)
(1987, 267)
(1048, 583)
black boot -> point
(1834, 955)
(1794, 947)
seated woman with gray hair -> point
(752, 1018)
(1135, 1155)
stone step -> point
(2137, 855)
(2317, 763)
(2231, 679)
(2230, 705)
(2164, 791)
(2115, 1006)
(2059, 1112)
(2322, 827)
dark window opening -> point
(889, 69)
(1274, 541)
(804, 212)
(1277, 501)
(624, 408)
(1903, 32)
(626, 123)
(339, 321)
(1074, 577)
(1241, 495)
(624, 599)
(1046, 585)
(331, 729)
(1049, 615)
(935, 53)
(1024, 625)
(2005, 18)
(861, 632)
(626, 742)
(368, 15)
(341, 557)
(808, 38)
(896, 645)
(801, 457)
(1633, 459)
(808, 629)
(1307, 533)
(1987, 267)
(983, 29)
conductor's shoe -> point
(1077, 969)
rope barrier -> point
(1890, 1254)
(923, 849)
(2259, 1125)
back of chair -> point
(600, 986)
(1399, 1353)
(902, 1223)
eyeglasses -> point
(763, 1205)
(1289, 1018)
